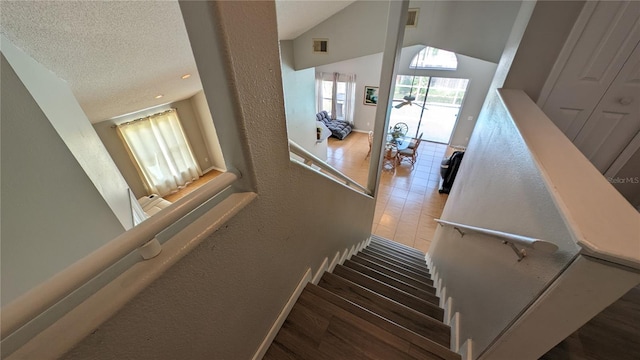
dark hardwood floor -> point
(614, 334)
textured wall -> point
(498, 187)
(221, 299)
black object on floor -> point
(449, 169)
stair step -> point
(394, 274)
(325, 302)
(400, 269)
(418, 259)
(396, 245)
(420, 262)
(392, 293)
(404, 316)
(421, 294)
(422, 270)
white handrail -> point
(303, 153)
(508, 238)
(35, 301)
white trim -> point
(566, 51)
(455, 332)
(78, 323)
(266, 343)
(334, 262)
(344, 256)
(323, 267)
(466, 350)
(448, 306)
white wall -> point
(300, 103)
(367, 70)
(209, 133)
(65, 114)
(52, 214)
(473, 28)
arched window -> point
(435, 59)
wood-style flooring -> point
(358, 312)
(614, 334)
(192, 186)
(408, 200)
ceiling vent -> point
(320, 45)
(412, 17)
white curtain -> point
(160, 149)
(350, 98)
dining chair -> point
(390, 158)
(409, 153)
(401, 127)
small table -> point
(390, 155)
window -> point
(435, 59)
(159, 148)
(336, 95)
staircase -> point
(380, 304)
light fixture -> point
(159, 96)
(185, 76)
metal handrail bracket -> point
(507, 238)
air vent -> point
(412, 17)
(320, 45)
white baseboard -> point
(334, 262)
(466, 350)
(282, 317)
(455, 332)
(323, 267)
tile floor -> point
(408, 200)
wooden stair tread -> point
(424, 295)
(392, 293)
(396, 245)
(419, 263)
(396, 268)
(419, 269)
(322, 300)
(394, 274)
(396, 312)
(417, 259)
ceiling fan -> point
(408, 98)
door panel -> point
(610, 36)
(616, 118)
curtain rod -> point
(143, 118)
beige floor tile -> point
(407, 200)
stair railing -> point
(507, 238)
(142, 237)
(310, 159)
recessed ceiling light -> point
(186, 76)
(159, 96)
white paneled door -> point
(594, 96)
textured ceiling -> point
(117, 56)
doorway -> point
(433, 107)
